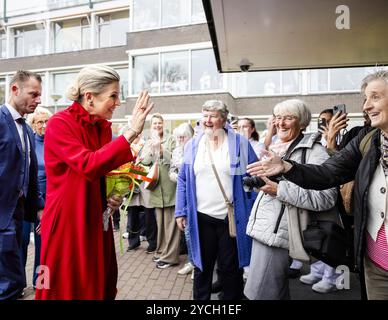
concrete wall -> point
(178, 104)
(243, 106)
(168, 36)
(316, 103)
(65, 59)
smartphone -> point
(339, 108)
(321, 123)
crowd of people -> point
(264, 192)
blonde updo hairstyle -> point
(92, 79)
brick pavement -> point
(138, 278)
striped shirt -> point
(378, 251)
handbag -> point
(347, 196)
(326, 240)
(153, 174)
(231, 220)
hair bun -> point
(72, 93)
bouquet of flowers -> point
(122, 182)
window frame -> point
(160, 25)
(97, 28)
(188, 48)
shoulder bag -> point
(231, 220)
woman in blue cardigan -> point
(201, 205)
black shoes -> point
(293, 273)
(150, 250)
(133, 247)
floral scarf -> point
(384, 153)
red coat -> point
(80, 256)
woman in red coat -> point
(78, 259)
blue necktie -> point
(25, 156)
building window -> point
(60, 83)
(178, 71)
(112, 29)
(319, 80)
(338, 79)
(2, 90)
(43, 93)
(197, 12)
(152, 14)
(123, 73)
(28, 40)
(174, 71)
(146, 73)
(3, 44)
(71, 35)
(146, 14)
(175, 12)
(345, 79)
(268, 83)
(204, 74)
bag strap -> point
(365, 142)
(286, 157)
(217, 176)
(292, 146)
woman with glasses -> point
(274, 222)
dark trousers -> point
(12, 273)
(26, 242)
(116, 219)
(134, 226)
(216, 244)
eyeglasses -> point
(41, 122)
(287, 118)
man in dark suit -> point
(19, 194)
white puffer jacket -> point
(270, 226)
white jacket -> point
(266, 223)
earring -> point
(91, 103)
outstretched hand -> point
(142, 108)
(270, 165)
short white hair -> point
(216, 105)
(184, 129)
(294, 107)
(38, 111)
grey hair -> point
(296, 108)
(38, 111)
(378, 75)
(184, 129)
(92, 78)
(216, 105)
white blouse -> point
(210, 200)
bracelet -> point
(133, 130)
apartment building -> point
(163, 46)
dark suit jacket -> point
(11, 162)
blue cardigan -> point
(241, 154)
